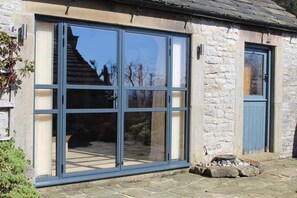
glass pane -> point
(146, 99)
(145, 60)
(144, 137)
(178, 99)
(253, 74)
(45, 145)
(178, 135)
(81, 98)
(91, 141)
(45, 99)
(179, 63)
(46, 53)
(91, 56)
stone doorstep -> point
(109, 181)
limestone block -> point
(219, 172)
(248, 171)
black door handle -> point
(265, 78)
(114, 97)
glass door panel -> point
(146, 99)
(91, 141)
(144, 137)
(145, 86)
(253, 74)
(145, 60)
(180, 98)
(46, 53)
(45, 145)
(179, 61)
(45, 99)
(178, 135)
(91, 56)
(46, 129)
(91, 99)
(91, 108)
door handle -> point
(114, 97)
(265, 78)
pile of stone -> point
(228, 166)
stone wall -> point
(7, 7)
(219, 86)
(289, 129)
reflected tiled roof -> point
(254, 12)
(79, 71)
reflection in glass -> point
(45, 145)
(92, 141)
(45, 99)
(46, 53)
(179, 63)
(146, 99)
(82, 98)
(178, 135)
(144, 137)
(178, 99)
(145, 60)
(91, 56)
(253, 74)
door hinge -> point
(62, 99)
(169, 99)
(170, 47)
(62, 168)
(63, 38)
(168, 156)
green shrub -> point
(13, 182)
(142, 132)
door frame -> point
(62, 177)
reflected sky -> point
(146, 57)
(144, 54)
(98, 45)
(144, 49)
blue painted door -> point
(256, 100)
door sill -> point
(105, 176)
(264, 156)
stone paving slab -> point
(279, 180)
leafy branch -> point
(9, 57)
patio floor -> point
(278, 180)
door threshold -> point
(112, 177)
(264, 156)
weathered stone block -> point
(248, 171)
(218, 172)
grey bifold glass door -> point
(90, 91)
(108, 99)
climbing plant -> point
(9, 58)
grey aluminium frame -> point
(119, 170)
